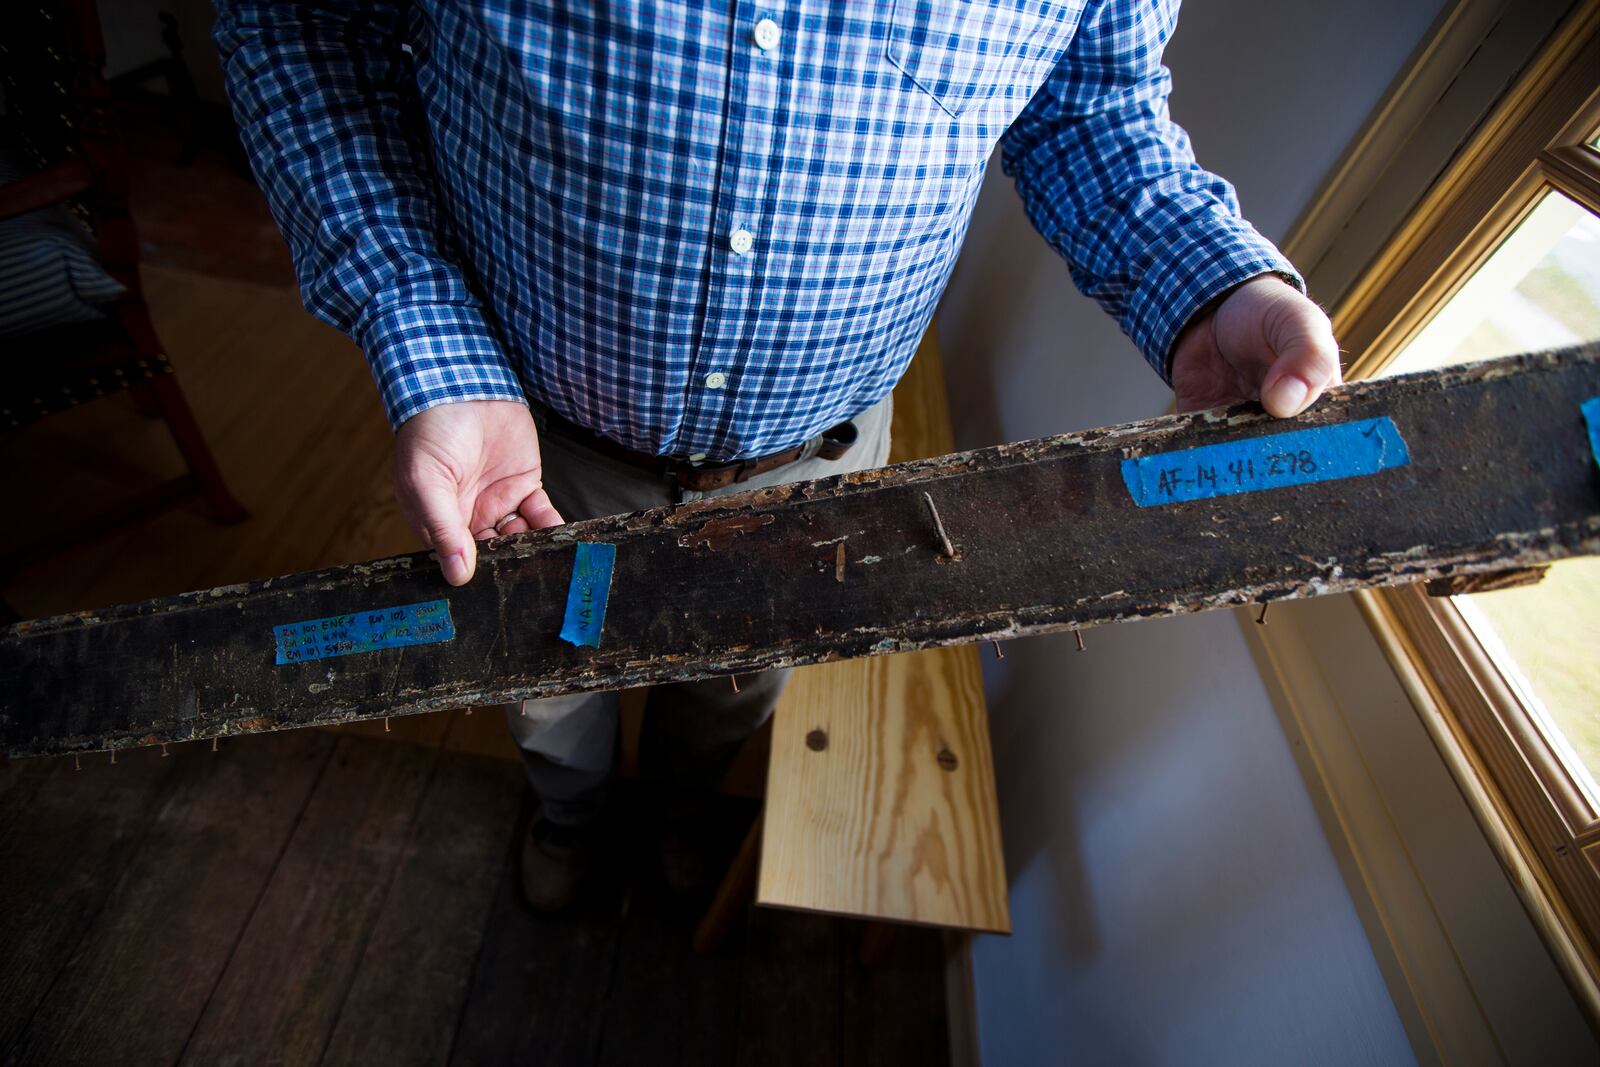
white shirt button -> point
(716, 380)
(740, 241)
(767, 35)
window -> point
(1539, 289)
(1503, 255)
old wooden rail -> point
(1495, 469)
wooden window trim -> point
(1486, 191)
(1538, 821)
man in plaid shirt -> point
(689, 248)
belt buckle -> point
(686, 473)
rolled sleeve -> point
(1204, 260)
(1111, 182)
(324, 98)
(424, 355)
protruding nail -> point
(945, 546)
(163, 750)
(817, 739)
(113, 757)
(734, 678)
(77, 762)
(1261, 619)
(1079, 635)
(215, 741)
(386, 724)
(999, 653)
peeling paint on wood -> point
(1500, 476)
(718, 534)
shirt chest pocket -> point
(960, 52)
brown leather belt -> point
(704, 477)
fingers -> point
(1307, 362)
(513, 506)
(508, 524)
(538, 512)
(434, 511)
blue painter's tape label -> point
(1299, 457)
(427, 623)
(587, 594)
(1591, 415)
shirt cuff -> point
(1203, 263)
(424, 355)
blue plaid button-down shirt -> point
(709, 228)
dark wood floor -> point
(317, 896)
(343, 898)
(313, 897)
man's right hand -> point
(461, 468)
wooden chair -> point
(58, 119)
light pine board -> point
(872, 825)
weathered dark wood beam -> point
(1473, 470)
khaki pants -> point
(692, 730)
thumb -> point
(435, 514)
(1307, 362)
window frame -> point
(1535, 816)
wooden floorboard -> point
(66, 836)
(894, 1010)
(288, 407)
(539, 986)
(665, 1004)
(284, 986)
(412, 980)
(227, 908)
(135, 987)
(789, 1003)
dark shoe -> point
(555, 861)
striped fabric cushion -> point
(49, 275)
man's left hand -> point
(1264, 342)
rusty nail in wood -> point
(817, 739)
(947, 759)
(734, 678)
(1261, 619)
(1079, 635)
(944, 538)
(838, 563)
(386, 724)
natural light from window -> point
(1539, 289)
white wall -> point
(1173, 895)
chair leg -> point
(192, 444)
(733, 893)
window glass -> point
(1539, 289)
